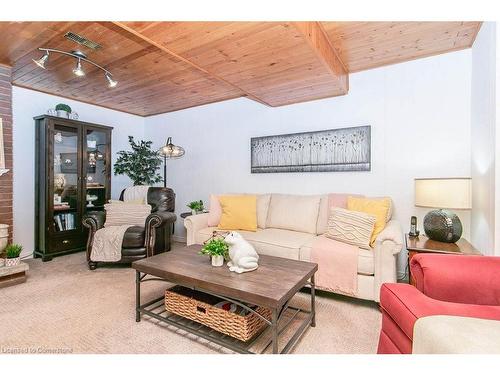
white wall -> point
(483, 141)
(420, 117)
(419, 112)
(25, 105)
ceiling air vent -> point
(81, 40)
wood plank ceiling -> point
(167, 66)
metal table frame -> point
(156, 309)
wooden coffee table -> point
(272, 285)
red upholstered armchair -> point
(445, 285)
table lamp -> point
(443, 193)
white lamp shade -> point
(452, 193)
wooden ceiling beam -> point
(318, 40)
(196, 66)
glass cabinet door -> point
(96, 169)
(65, 181)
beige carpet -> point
(65, 307)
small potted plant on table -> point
(196, 207)
(217, 249)
(13, 251)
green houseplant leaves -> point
(215, 247)
(140, 164)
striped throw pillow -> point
(125, 213)
(351, 227)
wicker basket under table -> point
(200, 308)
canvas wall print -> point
(334, 150)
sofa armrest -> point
(405, 304)
(94, 220)
(154, 222)
(160, 218)
(392, 233)
(458, 278)
(193, 224)
(387, 246)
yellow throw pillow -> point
(238, 212)
(377, 207)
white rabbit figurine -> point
(243, 256)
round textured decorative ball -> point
(442, 225)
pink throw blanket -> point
(337, 266)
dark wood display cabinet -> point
(73, 176)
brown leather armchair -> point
(140, 241)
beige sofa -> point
(289, 224)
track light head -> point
(78, 71)
(111, 82)
(42, 60)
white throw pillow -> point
(351, 227)
(293, 212)
(126, 214)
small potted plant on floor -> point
(217, 249)
(13, 251)
(196, 207)
(63, 110)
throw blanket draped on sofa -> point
(337, 266)
(107, 245)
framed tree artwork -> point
(334, 150)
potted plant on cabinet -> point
(63, 110)
(196, 207)
(13, 251)
(217, 249)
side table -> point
(186, 214)
(423, 244)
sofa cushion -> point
(134, 237)
(293, 212)
(323, 213)
(389, 210)
(271, 241)
(262, 209)
(377, 207)
(365, 258)
(327, 202)
(215, 210)
(351, 227)
(239, 212)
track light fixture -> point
(111, 82)
(42, 60)
(78, 70)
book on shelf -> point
(64, 221)
(58, 221)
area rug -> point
(66, 308)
